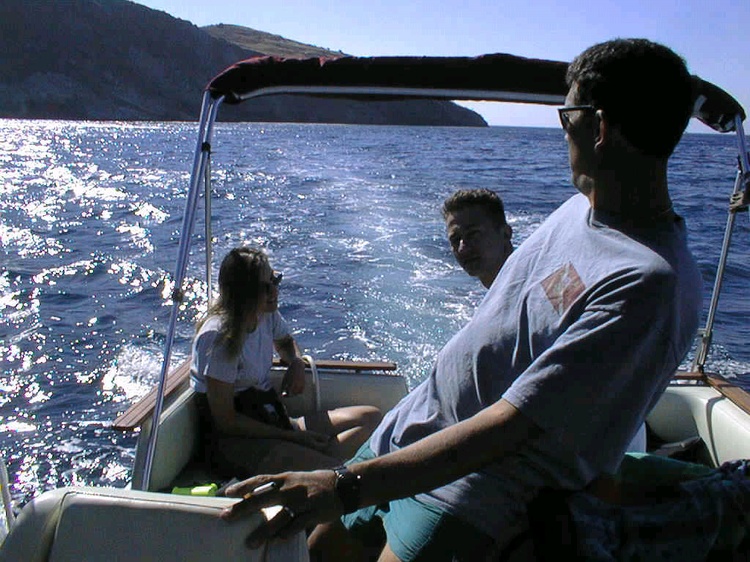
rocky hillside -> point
(266, 43)
(118, 60)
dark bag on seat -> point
(263, 406)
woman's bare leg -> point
(288, 456)
(248, 457)
(351, 426)
(331, 542)
(388, 556)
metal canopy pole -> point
(208, 230)
(737, 202)
(205, 129)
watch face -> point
(347, 488)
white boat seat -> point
(685, 412)
(97, 524)
(177, 452)
(178, 443)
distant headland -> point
(118, 60)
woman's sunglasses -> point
(276, 277)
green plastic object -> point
(202, 490)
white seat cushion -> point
(105, 524)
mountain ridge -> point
(266, 43)
(119, 60)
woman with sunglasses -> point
(246, 428)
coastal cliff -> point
(118, 60)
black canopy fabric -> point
(487, 77)
(499, 77)
(715, 107)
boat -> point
(702, 416)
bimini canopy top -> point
(488, 77)
(497, 77)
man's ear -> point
(602, 130)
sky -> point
(712, 35)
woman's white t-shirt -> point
(250, 368)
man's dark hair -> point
(488, 200)
(643, 87)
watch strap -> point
(347, 488)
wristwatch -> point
(347, 488)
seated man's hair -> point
(487, 199)
(643, 87)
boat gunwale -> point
(178, 378)
(734, 393)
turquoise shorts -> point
(414, 530)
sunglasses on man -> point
(563, 112)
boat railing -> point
(738, 202)
(315, 380)
(200, 163)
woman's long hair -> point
(239, 294)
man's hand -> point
(308, 498)
(294, 378)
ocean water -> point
(89, 231)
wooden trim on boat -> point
(739, 396)
(139, 412)
(689, 376)
(736, 394)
